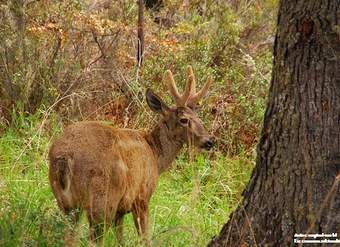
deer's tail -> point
(61, 178)
(63, 173)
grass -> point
(192, 201)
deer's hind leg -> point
(101, 215)
(98, 224)
(119, 228)
(72, 216)
(140, 212)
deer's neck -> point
(164, 145)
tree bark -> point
(294, 187)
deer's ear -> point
(156, 103)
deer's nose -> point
(208, 144)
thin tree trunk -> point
(13, 56)
(18, 10)
(140, 48)
(294, 187)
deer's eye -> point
(184, 121)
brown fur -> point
(108, 172)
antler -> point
(189, 96)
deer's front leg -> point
(140, 214)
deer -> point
(107, 172)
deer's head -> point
(182, 121)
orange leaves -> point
(126, 58)
(96, 24)
(184, 28)
(74, 26)
(157, 44)
(51, 25)
(170, 43)
(44, 31)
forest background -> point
(66, 61)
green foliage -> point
(214, 44)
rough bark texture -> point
(294, 186)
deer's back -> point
(91, 163)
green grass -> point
(192, 201)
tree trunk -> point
(294, 187)
(140, 48)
